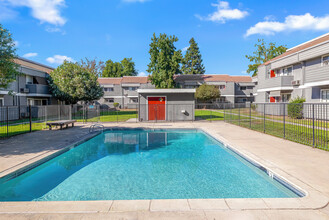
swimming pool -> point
(137, 164)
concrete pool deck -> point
(303, 166)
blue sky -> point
(48, 31)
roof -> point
(213, 78)
(107, 81)
(178, 78)
(135, 79)
(301, 47)
(33, 65)
(157, 91)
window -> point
(250, 87)
(325, 60)
(29, 79)
(133, 100)
(132, 88)
(325, 95)
(287, 71)
(108, 89)
(2, 102)
(111, 100)
(243, 87)
(285, 97)
(37, 102)
(222, 87)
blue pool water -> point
(144, 164)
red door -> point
(157, 108)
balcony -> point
(38, 89)
(280, 81)
(130, 93)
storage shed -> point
(166, 104)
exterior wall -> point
(175, 103)
(122, 95)
(315, 72)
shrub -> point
(295, 107)
(253, 106)
(116, 105)
(207, 93)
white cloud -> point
(47, 11)
(6, 12)
(55, 30)
(142, 74)
(224, 13)
(185, 48)
(16, 43)
(59, 59)
(28, 55)
(291, 23)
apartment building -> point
(30, 86)
(234, 89)
(123, 90)
(301, 71)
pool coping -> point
(313, 199)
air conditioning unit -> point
(295, 82)
(25, 90)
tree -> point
(73, 82)
(94, 66)
(207, 93)
(8, 69)
(192, 62)
(165, 61)
(263, 54)
(118, 69)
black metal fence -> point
(302, 123)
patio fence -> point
(303, 123)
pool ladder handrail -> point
(93, 127)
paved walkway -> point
(302, 165)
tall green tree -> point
(8, 68)
(263, 53)
(165, 61)
(192, 62)
(74, 82)
(118, 69)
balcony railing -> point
(38, 88)
(279, 81)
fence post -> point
(7, 117)
(239, 115)
(30, 110)
(284, 120)
(224, 110)
(313, 125)
(71, 106)
(250, 115)
(264, 118)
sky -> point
(50, 31)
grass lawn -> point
(112, 116)
(208, 115)
(296, 133)
(20, 129)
